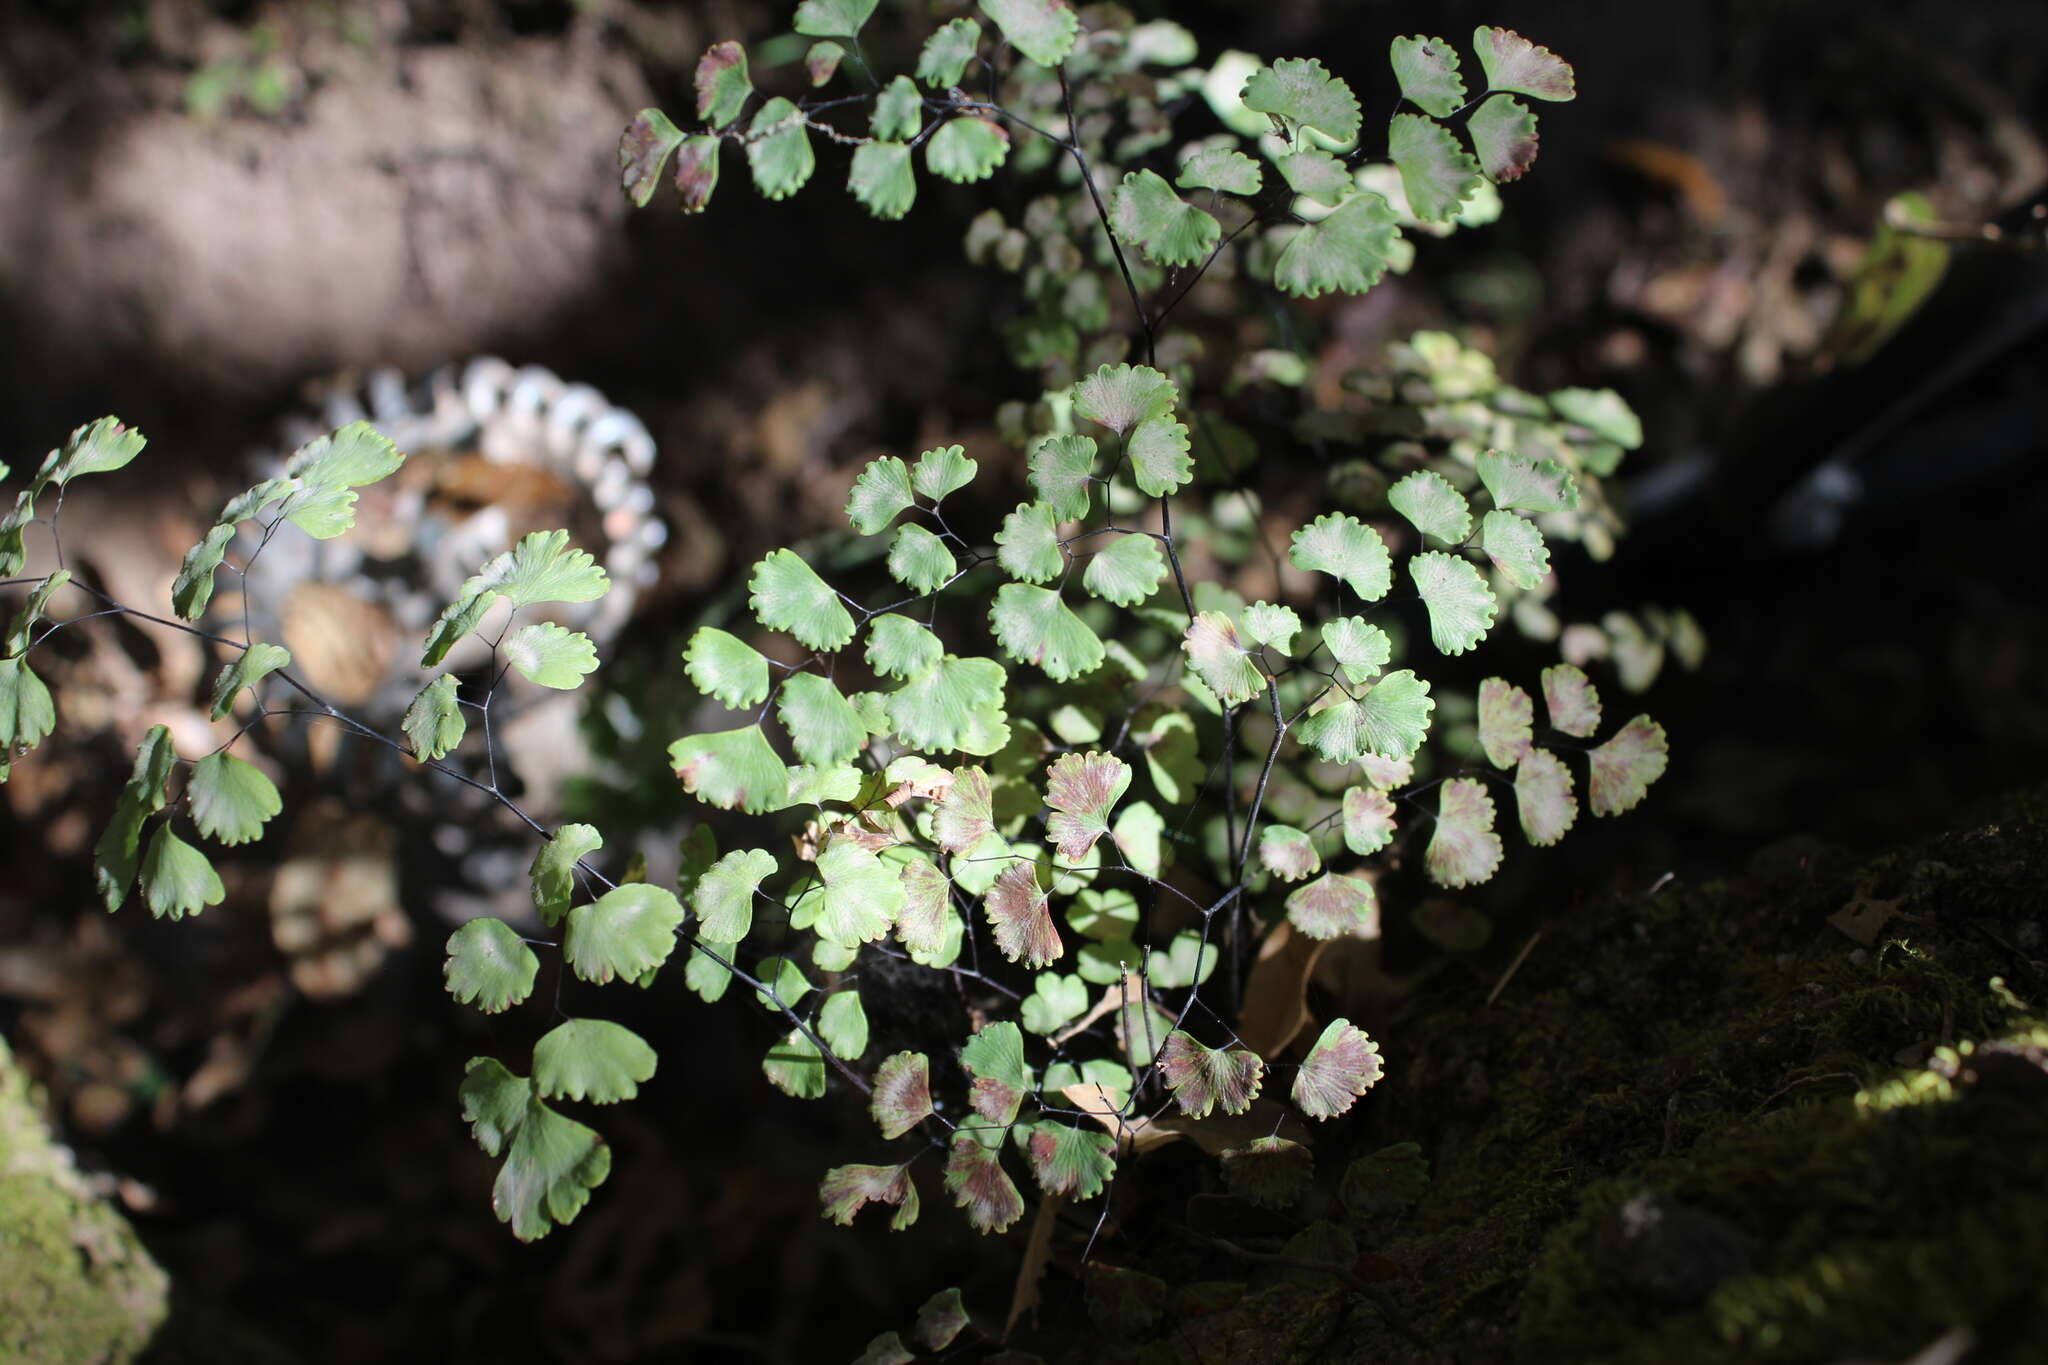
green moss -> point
(76, 1287)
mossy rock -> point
(76, 1285)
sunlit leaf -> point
(962, 815)
(1603, 412)
(1140, 834)
(858, 894)
(1126, 571)
(1464, 850)
(1157, 450)
(846, 1190)
(177, 879)
(1121, 396)
(729, 768)
(994, 1057)
(1035, 626)
(795, 1067)
(33, 610)
(832, 18)
(942, 470)
(1016, 908)
(1061, 467)
(488, 965)
(1348, 550)
(1517, 483)
(1624, 767)
(1514, 63)
(1297, 90)
(1204, 1078)
(1271, 1172)
(1220, 168)
(1437, 173)
(1345, 253)
(1316, 174)
(644, 149)
(843, 1024)
(722, 84)
(551, 655)
(1054, 999)
(724, 895)
(352, 457)
(1427, 69)
(628, 931)
(1506, 715)
(1267, 623)
(231, 800)
(1028, 543)
(433, 721)
(1334, 906)
(591, 1059)
(1435, 508)
(1543, 796)
(1288, 853)
(1342, 1066)
(919, 559)
(99, 447)
(787, 594)
(1368, 820)
(881, 491)
(1220, 659)
(899, 647)
(928, 926)
(1460, 604)
(881, 179)
(966, 149)
(27, 712)
(553, 871)
(1516, 548)
(1388, 720)
(1043, 30)
(1360, 648)
(1080, 789)
(1572, 701)
(823, 726)
(902, 1097)
(722, 665)
(1070, 1160)
(934, 710)
(779, 149)
(947, 52)
(1145, 212)
(976, 1180)
(1503, 133)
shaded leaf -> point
(489, 966)
(1157, 449)
(551, 655)
(928, 926)
(942, 1318)
(177, 879)
(722, 665)
(899, 647)
(947, 52)
(696, 172)
(1054, 999)
(935, 710)
(591, 1059)
(832, 18)
(1343, 1065)
(1140, 834)
(192, 589)
(963, 815)
(899, 111)
(1221, 660)
(1360, 649)
(1515, 482)
(858, 893)
(880, 177)
(1288, 853)
(881, 491)
(1368, 820)
(644, 150)
(1028, 543)
(823, 726)
(1464, 850)
(1127, 571)
(1220, 168)
(1334, 906)
(1271, 1172)
(1316, 174)
(1202, 1078)
(994, 1057)
(779, 149)
(1121, 396)
(1601, 411)
(1060, 472)
(795, 1067)
(1624, 767)
(1389, 720)
(1516, 548)
(942, 470)
(1437, 173)
(919, 559)
(629, 931)
(843, 1024)
(551, 1167)
(1267, 623)
(1043, 30)
(1070, 1161)
(966, 149)
(553, 870)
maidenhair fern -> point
(1034, 744)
